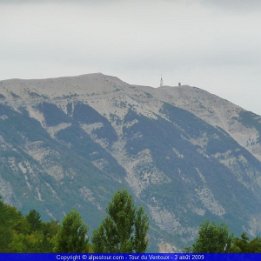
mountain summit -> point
(186, 155)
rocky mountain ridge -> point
(185, 154)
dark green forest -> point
(123, 230)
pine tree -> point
(141, 229)
(124, 229)
(11, 222)
(243, 244)
(72, 236)
(212, 238)
(34, 220)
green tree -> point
(124, 229)
(240, 244)
(41, 240)
(141, 224)
(11, 222)
(244, 245)
(49, 230)
(23, 243)
(212, 238)
(72, 235)
(255, 245)
(34, 220)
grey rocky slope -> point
(186, 155)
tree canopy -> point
(72, 235)
(212, 238)
(124, 229)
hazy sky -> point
(211, 44)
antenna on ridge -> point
(161, 81)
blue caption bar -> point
(131, 257)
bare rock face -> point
(185, 155)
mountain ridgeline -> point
(185, 155)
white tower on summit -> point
(161, 82)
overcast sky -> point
(211, 44)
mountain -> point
(185, 155)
